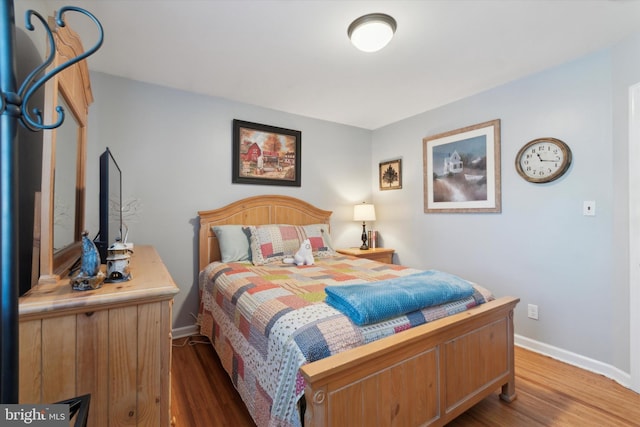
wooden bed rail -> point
(426, 375)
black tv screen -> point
(110, 204)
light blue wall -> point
(174, 149)
(540, 248)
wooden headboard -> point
(257, 210)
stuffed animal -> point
(304, 256)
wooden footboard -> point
(427, 375)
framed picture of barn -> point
(265, 155)
(462, 170)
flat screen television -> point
(110, 220)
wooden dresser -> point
(113, 342)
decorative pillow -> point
(234, 242)
(273, 242)
(318, 235)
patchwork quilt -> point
(266, 321)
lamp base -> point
(364, 246)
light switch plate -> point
(589, 208)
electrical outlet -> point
(532, 311)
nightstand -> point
(377, 254)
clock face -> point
(543, 160)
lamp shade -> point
(372, 32)
(364, 212)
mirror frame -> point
(74, 85)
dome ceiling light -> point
(372, 32)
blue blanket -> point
(374, 302)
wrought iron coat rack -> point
(13, 109)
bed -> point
(423, 375)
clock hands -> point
(545, 160)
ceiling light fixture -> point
(372, 32)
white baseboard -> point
(185, 331)
(575, 359)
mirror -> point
(63, 159)
(64, 197)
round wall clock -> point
(543, 160)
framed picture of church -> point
(462, 170)
(265, 155)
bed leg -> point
(509, 389)
(508, 392)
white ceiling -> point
(294, 55)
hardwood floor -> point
(202, 394)
(550, 393)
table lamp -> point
(364, 212)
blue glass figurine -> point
(90, 276)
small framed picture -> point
(390, 174)
(265, 155)
(462, 170)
